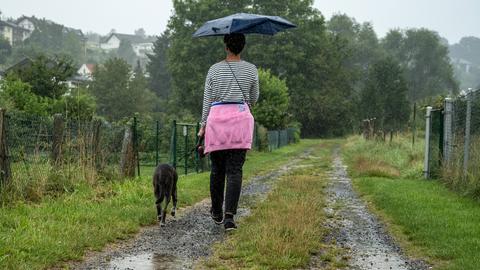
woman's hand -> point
(201, 132)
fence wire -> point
(462, 167)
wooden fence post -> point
(57, 138)
(5, 172)
(127, 162)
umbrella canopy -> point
(244, 23)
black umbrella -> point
(244, 23)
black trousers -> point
(226, 163)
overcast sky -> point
(453, 19)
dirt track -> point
(182, 241)
(355, 229)
(185, 240)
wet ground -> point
(182, 241)
(360, 233)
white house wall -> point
(112, 43)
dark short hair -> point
(234, 42)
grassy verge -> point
(285, 229)
(36, 236)
(427, 218)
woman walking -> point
(231, 88)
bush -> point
(271, 109)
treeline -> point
(325, 76)
(466, 57)
(337, 72)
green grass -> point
(427, 218)
(44, 234)
(285, 229)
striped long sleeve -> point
(221, 85)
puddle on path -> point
(147, 261)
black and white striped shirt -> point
(221, 86)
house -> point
(140, 45)
(19, 66)
(26, 23)
(86, 71)
(13, 33)
(462, 64)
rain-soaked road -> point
(355, 229)
(183, 241)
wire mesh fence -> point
(183, 155)
(51, 155)
(454, 151)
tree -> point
(271, 111)
(143, 98)
(468, 48)
(126, 52)
(425, 60)
(385, 95)
(47, 75)
(118, 96)
(78, 105)
(17, 95)
(52, 38)
(309, 60)
(110, 87)
(160, 78)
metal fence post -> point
(157, 156)
(185, 135)
(466, 151)
(174, 144)
(447, 130)
(414, 123)
(428, 126)
(197, 140)
(278, 139)
(135, 145)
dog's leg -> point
(158, 203)
(164, 212)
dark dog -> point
(165, 185)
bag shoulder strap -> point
(241, 90)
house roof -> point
(19, 65)
(134, 39)
(23, 17)
(78, 32)
(90, 67)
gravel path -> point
(354, 228)
(182, 241)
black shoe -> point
(229, 224)
(218, 219)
